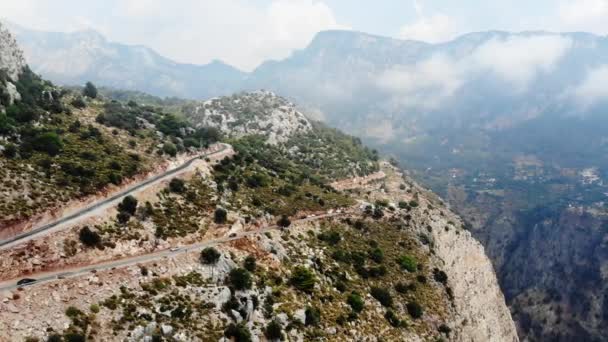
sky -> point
(246, 33)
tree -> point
(303, 279)
(249, 263)
(284, 221)
(210, 256)
(88, 237)
(220, 216)
(90, 90)
(240, 279)
(170, 149)
(414, 309)
(177, 185)
(128, 205)
(274, 331)
(239, 332)
(355, 301)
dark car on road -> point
(26, 281)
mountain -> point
(241, 220)
(509, 127)
(78, 57)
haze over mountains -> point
(509, 127)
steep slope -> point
(75, 58)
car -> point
(232, 235)
(174, 249)
(26, 281)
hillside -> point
(286, 230)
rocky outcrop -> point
(11, 57)
(12, 64)
(255, 113)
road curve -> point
(4, 244)
(46, 277)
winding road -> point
(80, 214)
(46, 277)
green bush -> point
(170, 149)
(414, 309)
(313, 316)
(128, 205)
(239, 332)
(303, 279)
(382, 295)
(408, 263)
(355, 301)
(284, 221)
(210, 256)
(440, 276)
(220, 216)
(177, 185)
(240, 279)
(249, 263)
(274, 331)
(90, 90)
(88, 237)
(48, 142)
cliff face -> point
(11, 57)
(479, 312)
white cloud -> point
(520, 59)
(594, 87)
(240, 32)
(583, 15)
(433, 29)
(424, 84)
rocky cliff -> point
(12, 64)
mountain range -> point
(510, 128)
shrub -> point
(79, 103)
(414, 309)
(177, 185)
(240, 279)
(128, 205)
(10, 151)
(413, 204)
(444, 329)
(220, 216)
(313, 316)
(239, 332)
(88, 237)
(355, 301)
(249, 263)
(331, 238)
(210, 256)
(48, 142)
(284, 221)
(382, 295)
(94, 308)
(274, 331)
(90, 90)
(170, 149)
(440, 276)
(393, 319)
(376, 255)
(54, 338)
(408, 263)
(303, 279)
